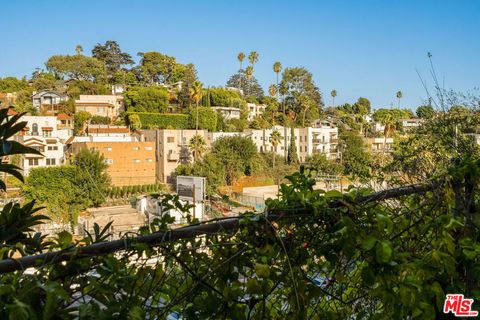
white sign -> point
(186, 186)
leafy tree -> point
(356, 160)
(272, 90)
(250, 88)
(134, 121)
(81, 118)
(321, 164)
(78, 87)
(188, 75)
(146, 99)
(299, 83)
(12, 84)
(112, 56)
(425, 112)
(156, 67)
(77, 67)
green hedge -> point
(207, 119)
(163, 120)
(127, 191)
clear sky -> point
(360, 48)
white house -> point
(308, 141)
(228, 112)
(255, 110)
(48, 100)
(47, 135)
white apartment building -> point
(308, 141)
(255, 110)
(172, 149)
(48, 135)
(228, 112)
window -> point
(149, 160)
(51, 161)
(51, 148)
(33, 162)
(101, 110)
(38, 148)
(136, 160)
(300, 148)
(136, 148)
(300, 138)
(34, 129)
(93, 149)
(108, 161)
(108, 148)
(148, 148)
(47, 133)
(170, 139)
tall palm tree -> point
(272, 90)
(275, 139)
(333, 94)
(399, 96)
(197, 146)
(196, 95)
(249, 75)
(283, 90)
(240, 58)
(277, 68)
(253, 58)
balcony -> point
(319, 141)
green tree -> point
(81, 119)
(77, 67)
(196, 95)
(250, 88)
(156, 67)
(92, 176)
(146, 99)
(292, 156)
(425, 112)
(112, 56)
(272, 90)
(356, 160)
(275, 140)
(197, 146)
(135, 122)
(240, 58)
(298, 82)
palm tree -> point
(399, 96)
(277, 68)
(78, 49)
(249, 74)
(197, 146)
(253, 58)
(272, 90)
(333, 94)
(196, 95)
(283, 90)
(240, 58)
(389, 128)
(275, 139)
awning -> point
(47, 129)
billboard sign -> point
(191, 188)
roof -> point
(47, 128)
(69, 140)
(43, 92)
(11, 112)
(107, 130)
(63, 116)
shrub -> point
(207, 118)
(162, 120)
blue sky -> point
(360, 48)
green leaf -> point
(333, 194)
(262, 270)
(253, 286)
(64, 239)
(369, 242)
(383, 251)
